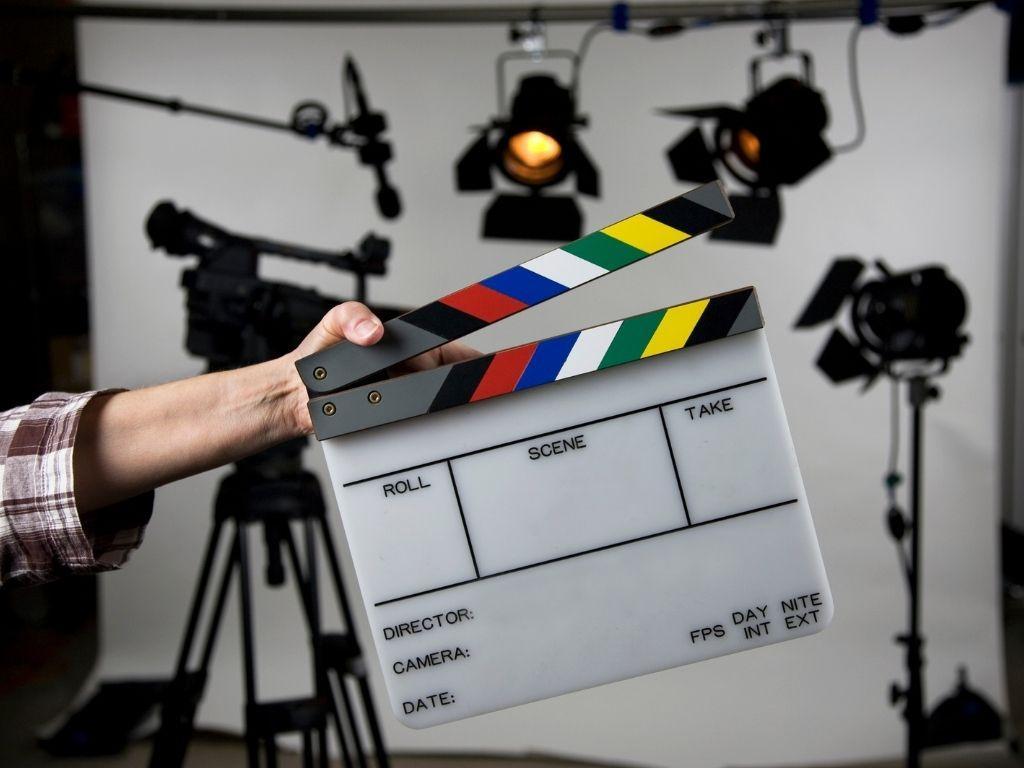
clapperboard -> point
(584, 509)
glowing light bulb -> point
(534, 148)
(748, 147)
(533, 158)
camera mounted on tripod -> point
(237, 318)
(234, 316)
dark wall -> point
(43, 304)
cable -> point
(893, 478)
(588, 37)
(584, 47)
(894, 433)
(947, 18)
(581, 51)
(853, 73)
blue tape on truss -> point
(867, 12)
(620, 17)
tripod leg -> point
(306, 588)
(179, 706)
(380, 751)
(365, 694)
(332, 559)
(339, 726)
(309, 595)
(327, 689)
(307, 749)
(335, 564)
(352, 724)
(311, 575)
(313, 591)
(321, 745)
(248, 649)
(197, 599)
(218, 612)
(372, 723)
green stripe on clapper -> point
(632, 338)
(604, 251)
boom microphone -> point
(388, 202)
(373, 151)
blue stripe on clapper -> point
(547, 361)
(529, 287)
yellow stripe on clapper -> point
(645, 233)
(675, 328)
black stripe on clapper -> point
(447, 322)
(719, 317)
(692, 218)
(460, 383)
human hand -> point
(354, 322)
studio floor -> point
(213, 751)
(37, 685)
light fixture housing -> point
(910, 318)
(534, 147)
(776, 139)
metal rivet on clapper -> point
(374, 397)
(320, 373)
(329, 409)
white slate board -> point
(590, 530)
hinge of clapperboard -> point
(345, 382)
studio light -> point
(907, 327)
(911, 318)
(775, 139)
(533, 147)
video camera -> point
(235, 317)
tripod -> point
(921, 390)
(273, 491)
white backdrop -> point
(927, 186)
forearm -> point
(130, 442)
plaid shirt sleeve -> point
(42, 535)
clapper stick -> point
(537, 363)
(525, 285)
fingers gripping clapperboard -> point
(575, 511)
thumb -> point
(350, 321)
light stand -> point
(920, 392)
(907, 327)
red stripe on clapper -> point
(503, 372)
(483, 302)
